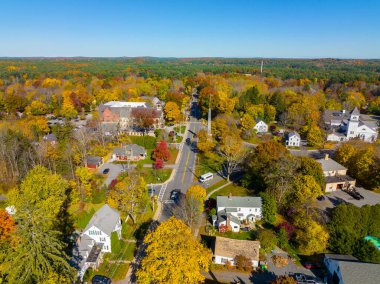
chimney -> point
(326, 157)
(230, 196)
(228, 223)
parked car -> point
(100, 279)
(174, 195)
(188, 141)
(322, 197)
(151, 191)
(106, 171)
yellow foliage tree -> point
(205, 142)
(68, 110)
(247, 122)
(312, 237)
(198, 193)
(173, 255)
(172, 112)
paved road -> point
(185, 171)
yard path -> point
(216, 189)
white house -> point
(344, 126)
(233, 210)
(225, 249)
(293, 139)
(261, 126)
(335, 175)
(346, 269)
(96, 237)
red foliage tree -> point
(223, 228)
(161, 151)
(7, 225)
(289, 228)
(145, 117)
(158, 164)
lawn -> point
(82, 217)
(152, 176)
(234, 189)
(177, 129)
(115, 271)
(148, 159)
(148, 142)
(237, 236)
(207, 163)
(173, 156)
(216, 185)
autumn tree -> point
(129, 195)
(247, 122)
(7, 225)
(173, 255)
(198, 193)
(161, 151)
(305, 191)
(311, 236)
(243, 263)
(205, 142)
(284, 280)
(232, 150)
(40, 205)
(172, 112)
(144, 117)
(84, 178)
(315, 136)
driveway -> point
(337, 197)
(115, 170)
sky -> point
(190, 28)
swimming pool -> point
(374, 240)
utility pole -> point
(209, 117)
(261, 68)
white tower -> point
(209, 117)
(353, 123)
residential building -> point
(51, 138)
(127, 116)
(343, 126)
(261, 126)
(346, 269)
(225, 249)
(96, 237)
(293, 139)
(129, 152)
(94, 162)
(335, 175)
(234, 210)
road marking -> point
(168, 201)
(184, 170)
(162, 191)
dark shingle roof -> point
(354, 272)
(130, 149)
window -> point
(235, 227)
(351, 132)
(255, 209)
(224, 260)
(239, 209)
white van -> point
(206, 177)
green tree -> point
(311, 167)
(315, 136)
(268, 240)
(269, 207)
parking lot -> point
(337, 197)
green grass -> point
(216, 185)
(148, 159)
(112, 270)
(235, 190)
(173, 156)
(207, 164)
(82, 217)
(152, 176)
(148, 142)
(177, 129)
(237, 236)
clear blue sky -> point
(186, 28)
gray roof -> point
(110, 127)
(340, 256)
(104, 219)
(354, 272)
(355, 111)
(335, 179)
(130, 150)
(50, 137)
(93, 160)
(239, 201)
(222, 216)
(330, 165)
(294, 133)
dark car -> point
(322, 197)
(188, 141)
(100, 279)
(311, 265)
(106, 171)
(174, 195)
(151, 191)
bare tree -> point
(188, 209)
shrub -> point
(243, 263)
(268, 239)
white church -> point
(344, 126)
